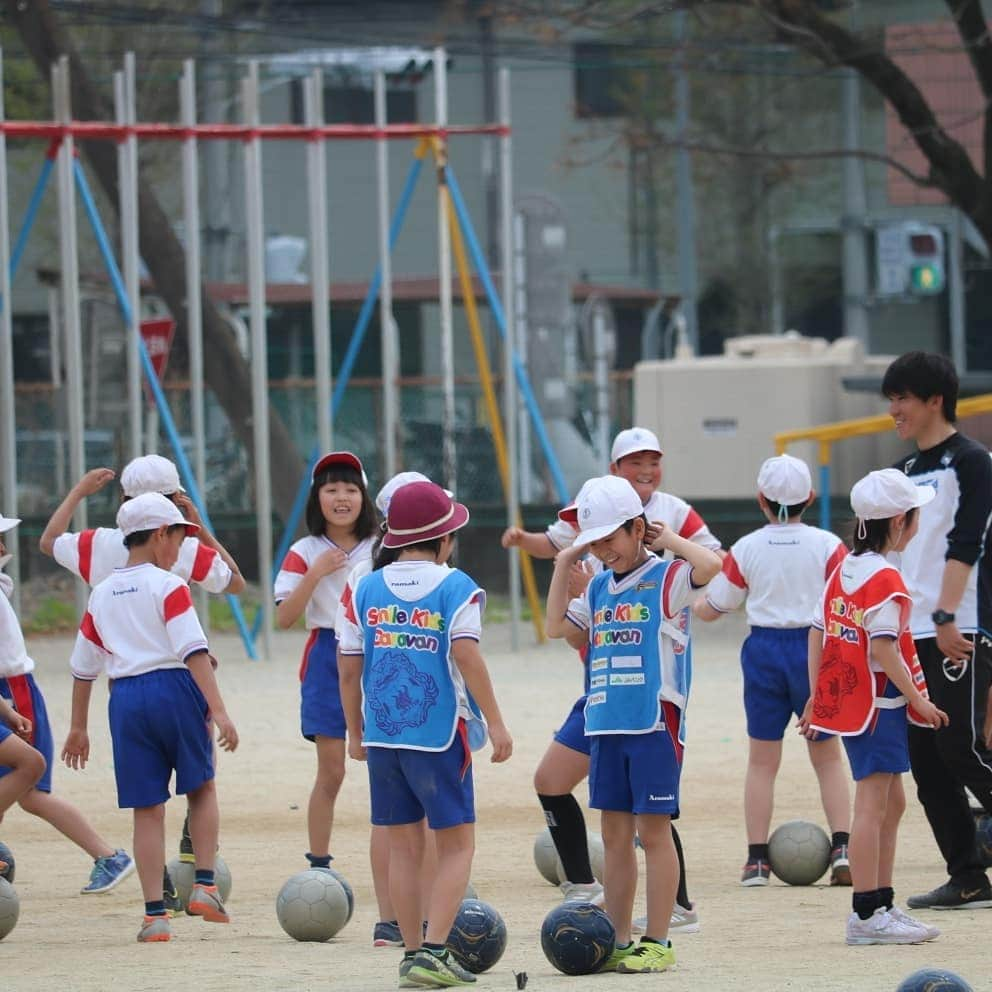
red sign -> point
(157, 335)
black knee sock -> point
(840, 837)
(682, 896)
(757, 852)
(865, 903)
(886, 897)
(568, 831)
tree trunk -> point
(225, 371)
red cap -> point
(340, 458)
(421, 511)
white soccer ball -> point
(183, 875)
(312, 905)
(549, 864)
(10, 907)
(799, 852)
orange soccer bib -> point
(847, 690)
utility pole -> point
(688, 279)
(216, 191)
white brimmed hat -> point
(604, 505)
(785, 479)
(8, 523)
(887, 493)
(150, 474)
(634, 439)
(149, 511)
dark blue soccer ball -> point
(478, 936)
(7, 855)
(577, 938)
(933, 980)
(983, 838)
(347, 890)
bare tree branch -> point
(974, 31)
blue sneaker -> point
(108, 872)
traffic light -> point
(925, 259)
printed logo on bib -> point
(595, 698)
(838, 678)
(394, 615)
(597, 682)
(598, 664)
(626, 661)
(627, 678)
(400, 695)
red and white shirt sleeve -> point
(89, 654)
(203, 565)
(91, 554)
(728, 590)
(677, 590)
(182, 625)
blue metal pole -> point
(34, 204)
(825, 496)
(497, 311)
(165, 413)
(347, 365)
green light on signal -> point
(926, 278)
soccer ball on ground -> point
(183, 875)
(7, 856)
(933, 980)
(799, 852)
(577, 938)
(10, 907)
(478, 936)
(549, 864)
(312, 905)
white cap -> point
(150, 474)
(397, 482)
(634, 439)
(149, 511)
(570, 513)
(7, 523)
(604, 505)
(887, 493)
(785, 479)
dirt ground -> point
(773, 938)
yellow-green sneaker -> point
(437, 971)
(648, 956)
(618, 955)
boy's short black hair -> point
(923, 374)
(795, 510)
(139, 537)
(876, 533)
(365, 525)
(628, 525)
(383, 556)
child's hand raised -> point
(512, 537)
(330, 561)
(656, 536)
(94, 480)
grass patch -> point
(52, 616)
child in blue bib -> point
(417, 698)
(633, 618)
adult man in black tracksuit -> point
(948, 571)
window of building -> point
(601, 74)
(346, 103)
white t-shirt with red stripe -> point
(663, 508)
(322, 609)
(14, 658)
(94, 554)
(139, 619)
(779, 571)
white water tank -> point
(716, 416)
(284, 255)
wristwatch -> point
(940, 617)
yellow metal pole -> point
(492, 408)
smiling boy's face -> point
(642, 469)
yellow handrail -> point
(826, 434)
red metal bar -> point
(99, 131)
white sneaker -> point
(683, 921)
(903, 917)
(881, 928)
(582, 892)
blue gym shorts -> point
(321, 712)
(884, 746)
(572, 733)
(638, 773)
(774, 661)
(159, 722)
(406, 785)
(22, 692)
(5, 732)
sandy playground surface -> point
(772, 938)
